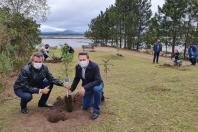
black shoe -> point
(94, 116)
(24, 111)
(46, 105)
(103, 99)
(85, 109)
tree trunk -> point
(166, 47)
(187, 39)
(174, 41)
(138, 37)
(120, 34)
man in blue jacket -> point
(35, 78)
(92, 83)
(157, 48)
(192, 52)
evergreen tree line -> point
(130, 24)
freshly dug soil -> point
(54, 60)
(56, 115)
(62, 107)
(55, 119)
(166, 65)
(180, 68)
(60, 103)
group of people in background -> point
(175, 57)
(45, 50)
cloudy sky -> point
(76, 14)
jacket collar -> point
(89, 65)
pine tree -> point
(173, 10)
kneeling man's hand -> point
(45, 90)
(67, 86)
(82, 91)
(69, 92)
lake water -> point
(78, 41)
(73, 41)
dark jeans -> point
(92, 98)
(193, 61)
(156, 57)
(27, 96)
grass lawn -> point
(140, 96)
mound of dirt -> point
(55, 116)
(120, 55)
(157, 88)
(62, 106)
(53, 119)
(60, 103)
(54, 60)
(166, 65)
(180, 68)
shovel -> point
(68, 102)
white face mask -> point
(37, 65)
(84, 64)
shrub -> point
(66, 58)
(6, 64)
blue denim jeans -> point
(27, 96)
(92, 98)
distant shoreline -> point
(63, 36)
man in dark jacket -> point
(45, 51)
(35, 78)
(92, 83)
(157, 48)
(192, 52)
(176, 58)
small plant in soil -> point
(106, 63)
(67, 58)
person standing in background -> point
(157, 48)
(192, 52)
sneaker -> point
(94, 116)
(24, 111)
